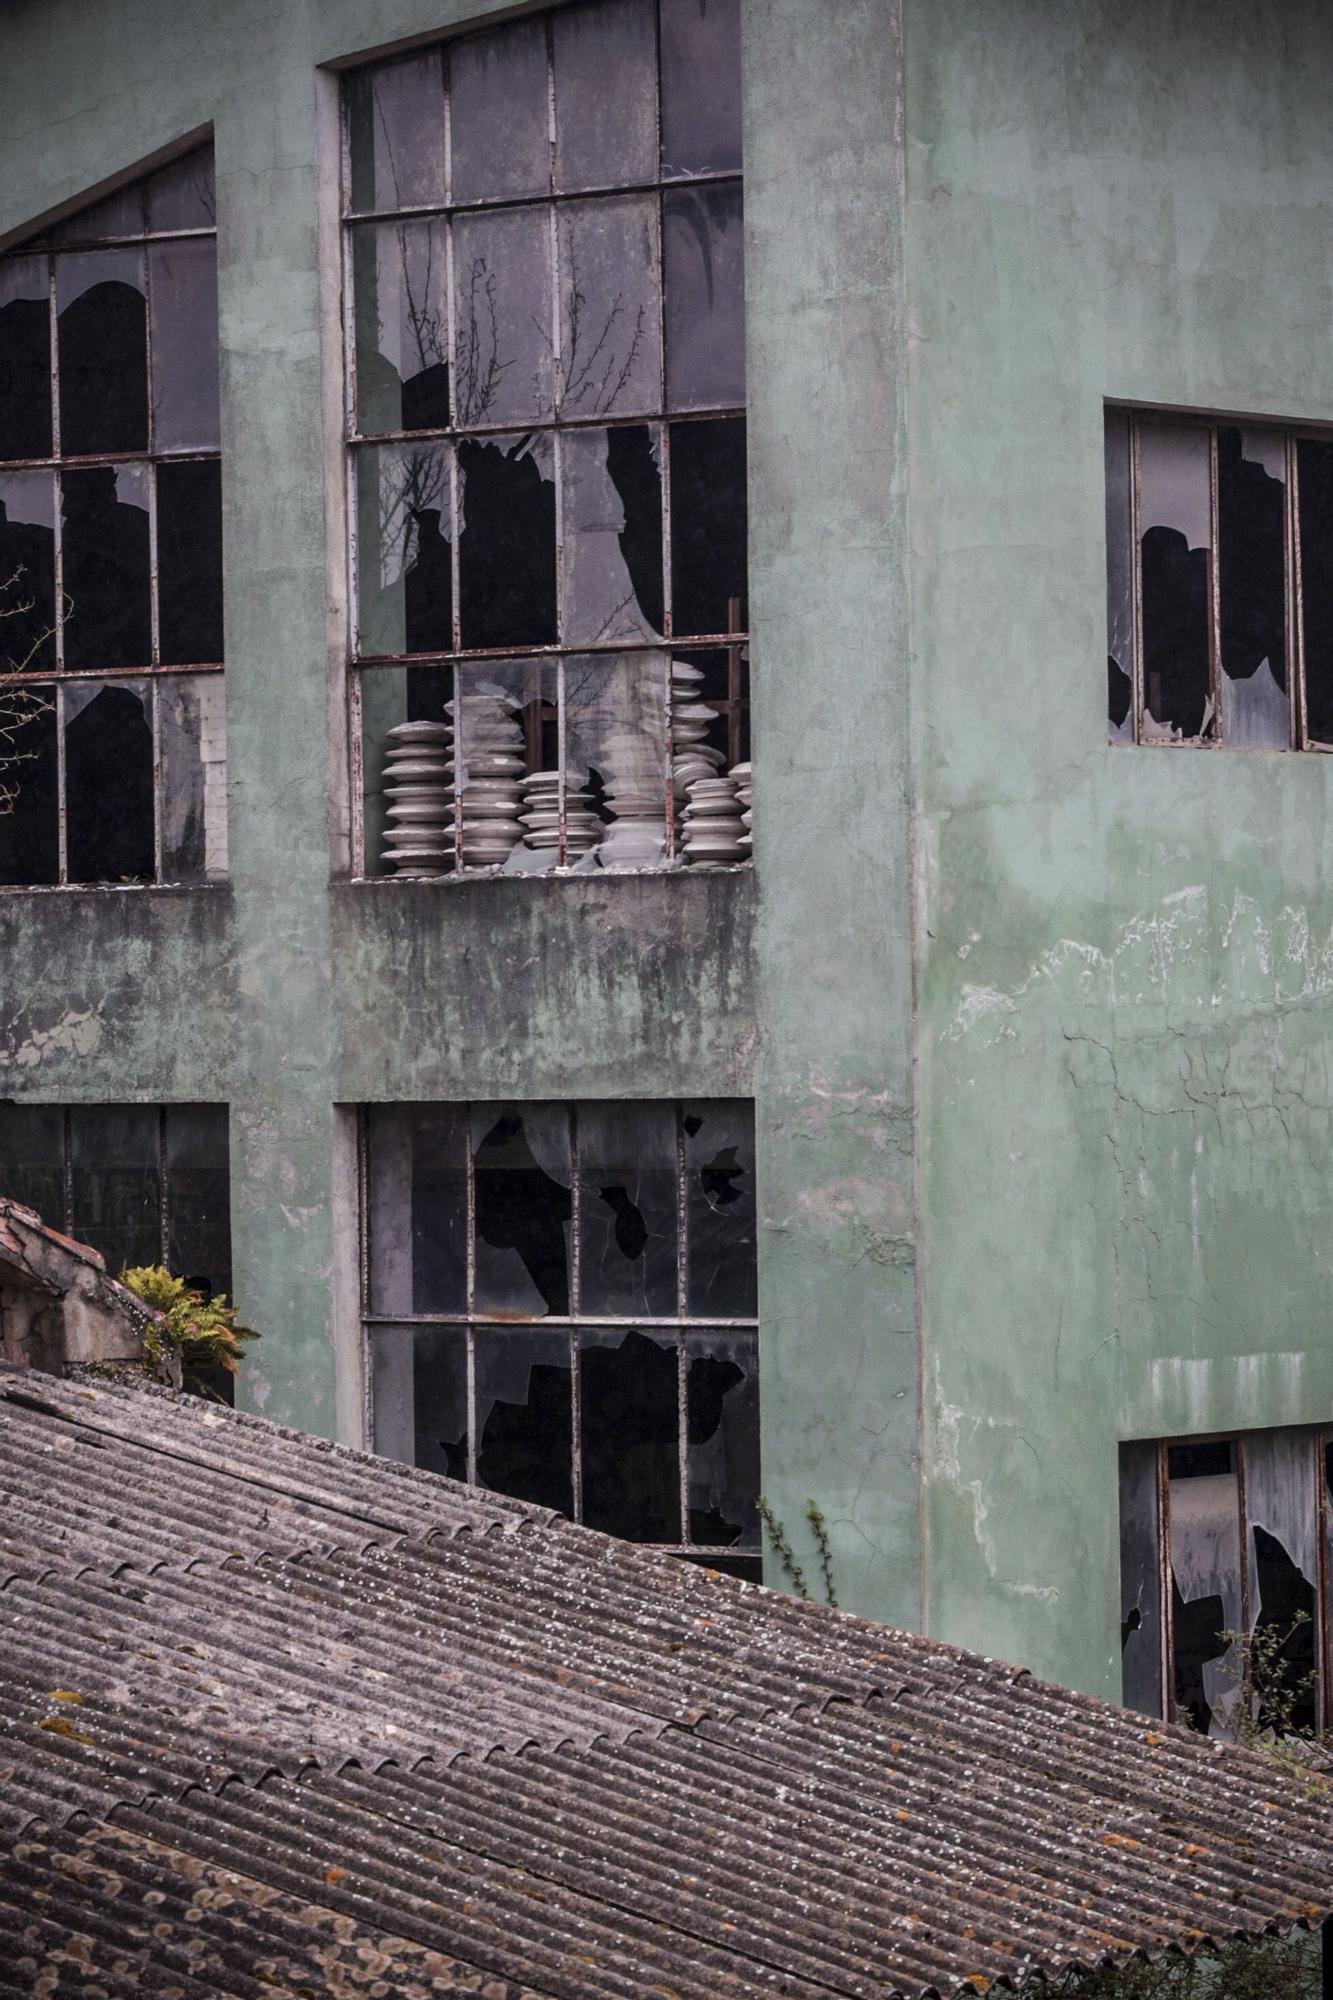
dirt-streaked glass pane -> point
(417, 1208)
(610, 307)
(507, 541)
(1140, 1580)
(189, 562)
(117, 1182)
(199, 1196)
(102, 327)
(32, 1159)
(1252, 587)
(105, 545)
(1282, 1551)
(612, 534)
(400, 314)
(616, 752)
(722, 1438)
(396, 133)
(503, 329)
(507, 766)
(1119, 579)
(118, 214)
(627, 1219)
(1206, 1586)
(109, 782)
(183, 294)
(605, 94)
(192, 719)
(524, 1204)
(29, 795)
(525, 1434)
(720, 1215)
(708, 526)
(404, 554)
(701, 87)
(498, 113)
(629, 1383)
(182, 195)
(418, 1389)
(704, 249)
(27, 572)
(25, 358)
(1176, 555)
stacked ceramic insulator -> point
(691, 721)
(712, 829)
(634, 782)
(492, 766)
(741, 772)
(541, 816)
(419, 838)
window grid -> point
(45, 688)
(553, 424)
(682, 1322)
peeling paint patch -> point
(74, 1034)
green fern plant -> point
(203, 1332)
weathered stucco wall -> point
(1126, 956)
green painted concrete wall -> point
(1126, 956)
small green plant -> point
(203, 1332)
(782, 1548)
(1274, 1969)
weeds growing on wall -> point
(1275, 1969)
(203, 1332)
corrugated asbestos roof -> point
(279, 1719)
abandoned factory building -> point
(664, 667)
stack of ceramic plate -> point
(541, 816)
(635, 786)
(691, 721)
(741, 772)
(492, 765)
(419, 839)
(713, 829)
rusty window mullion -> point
(62, 824)
(357, 761)
(1214, 592)
(1167, 1599)
(470, 1293)
(163, 1209)
(1136, 571)
(575, 1310)
(1321, 1689)
(67, 1167)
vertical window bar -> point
(163, 1209)
(1169, 1709)
(1295, 678)
(1320, 1582)
(1136, 572)
(55, 355)
(356, 751)
(575, 1308)
(470, 1282)
(67, 1168)
(1214, 595)
(682, 1276)
(1298, 599)
(445, 54)
(550, 104)
(62, 828)
(1239, 1449)
(458, 866)
(363, 1208)
(560, 757)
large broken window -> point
(546, 411)
(560, 1303)
(1223, 1584)
(112, 759)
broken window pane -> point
(396, 134)
(418, 1389)
(1119, 578)
(498, 113)
(192, 721)
(610, 308)
(102, 327)
(25, 358)
(1281, 1496)
(400, 313)
(1175, 553)
(199, 1196)
(708, 526)
(722, 1438)
(616, 754)
(629, 1385)
(1140, 1585)
(525, 1419)
(27, 572)
(612, 534)
(720, 1220)
(507, 544)
(117, 1182)
(502, 317)
(417, 1208)
(605, 137)
(189, 562)
(701, 86)
(32, 1156)
(703, 244)
(181, 195)
(108, 782)
(105, 544)
(627, 1217)
(1314, 476)
(29, 800)
(404, 549)
(1252, 587)
(507, 766)
(1206, 1589)
(524, 1205)
(183, 288)
(710, 716)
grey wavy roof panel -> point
(277, 1717)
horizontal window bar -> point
(705, 640)
(599, 421)
(614, 1320)
(32, 677)
(194, 456)
(447, 209)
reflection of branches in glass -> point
(412, 484)
(591, 373)
(20, 707)
(477, 363)
(424, 322)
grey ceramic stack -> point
(691, 720)
(491, 762)
(741, 772)
(712, 829)
(541, 817)
(418, 840)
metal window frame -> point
(682, 1323)
(152, 671)
(736, 641)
